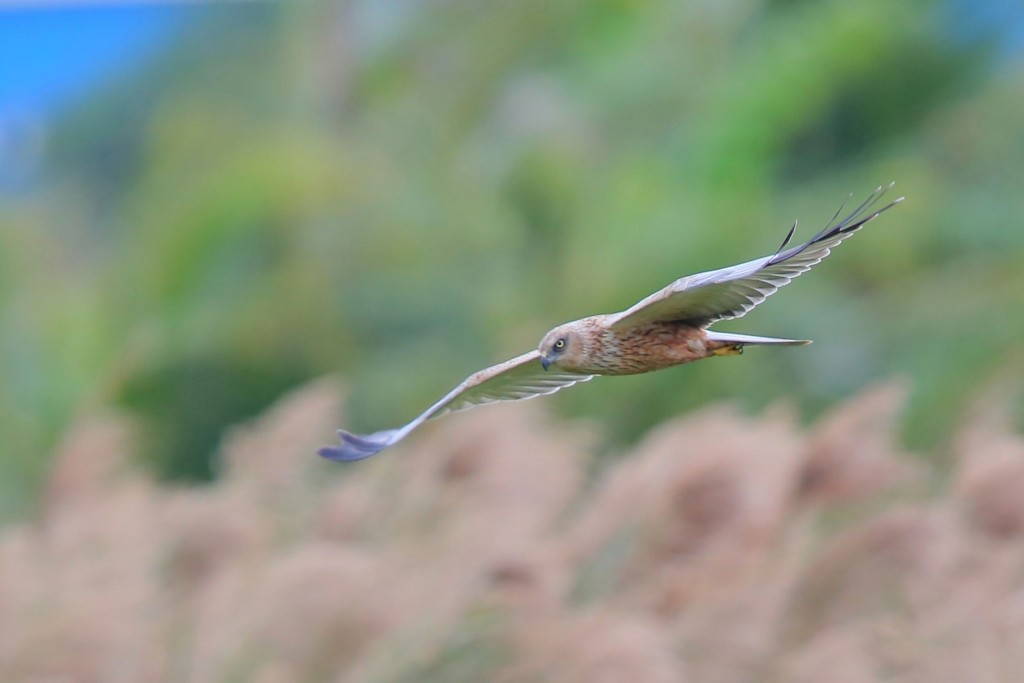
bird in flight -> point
(670, 327)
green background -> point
(403, 196)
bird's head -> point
(562, 348)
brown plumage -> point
(596, 347)
(669, 327)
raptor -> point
(669, 327)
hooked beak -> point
(545, 362)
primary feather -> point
(731, 292)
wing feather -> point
(520, 378)
(731, 292)
(514, 380)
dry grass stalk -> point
(721, 548)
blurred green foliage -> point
(403, 193)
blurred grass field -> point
(720, 548)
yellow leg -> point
(731, 350)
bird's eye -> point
(560, 344)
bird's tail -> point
(744, 339)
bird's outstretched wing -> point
(731, 292)
(519, 378)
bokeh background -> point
(204, 206)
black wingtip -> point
(789, 236)
(354, 447)
(344, 453)
(856, 219)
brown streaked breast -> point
(649, 347)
